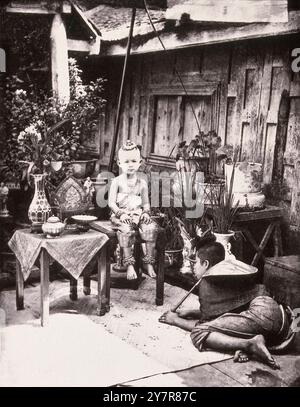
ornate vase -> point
(224, 239)
(39, 209)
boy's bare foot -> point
(169, 318)
(150, 271)
(184, 313)
(189, 314)
(131, 274)
(257, 347)
(240, 357)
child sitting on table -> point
(129, 201)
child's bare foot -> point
(240, 357)
(131, 274)
(169, 318)
(150, 271)
(257, 347)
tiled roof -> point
(114, 22)
(89, 4)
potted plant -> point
(174, 240)
(200, 152)
(31, 112)
(45, 134)
(33, 146)
(223, 212)
(199, 155)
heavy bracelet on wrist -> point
(146, 211)
(119, 213)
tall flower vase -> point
(224, 239)
(39, 209)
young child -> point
(129, 201)
(245, 333)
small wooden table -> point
(272, 215)
(46, 248)
(6, 224)
(106, 227)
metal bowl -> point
(83, 221)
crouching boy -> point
(249, 324)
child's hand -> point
(145, 218)
(125, 218)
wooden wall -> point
(246, 91)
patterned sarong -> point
(264, 316)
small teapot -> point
(53, 227)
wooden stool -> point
(105, 226)
(282, 279)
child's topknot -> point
(129, 145)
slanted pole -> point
(117, 124)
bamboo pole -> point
(174, 309)
(117, 124)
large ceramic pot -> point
(247, 184)
(224, 239)
(39, 209)
(83, 168)
(247, 177)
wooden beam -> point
(59, 59)
(2, 60)
(295, 204)
(95, 38)
(197, 36)
(232, 90)
(84, 46)
(86, 24)
(295, 90)
(34, 8)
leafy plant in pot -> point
(174, 240)
(31, 112)
(34, 146)
(223, 212)
(200, 155)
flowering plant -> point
(34, 145)
(40, 128)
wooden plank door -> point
(174, 120)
